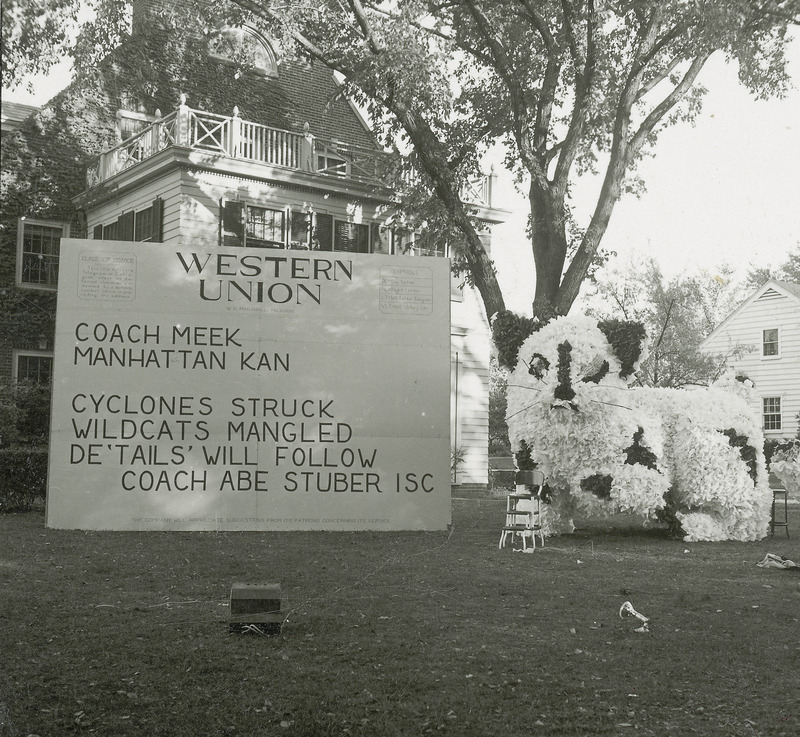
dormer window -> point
(132, 117)
(330, 163)
(244, 47)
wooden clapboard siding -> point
(470, 409)
(200, 209)
(776, 305)
(167, 187)
(171, 223)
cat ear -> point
(626, 338)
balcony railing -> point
(239, 139)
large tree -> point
(570, 87)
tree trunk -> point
(549, 245)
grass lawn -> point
(408, 634)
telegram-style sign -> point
(249, 389)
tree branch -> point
(585, 80)
(504, 68)
(570, 23)
(363, 23)
(540, 24)
(615, 171)
(657, 79)
(672, 99)
(471, 50)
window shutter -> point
(98, 232)
(379, 237)
(157, 235)
(299, 229)
(126, 222)
(232, 223)
(323, 232)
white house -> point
(762, 338)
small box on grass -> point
(256, 607)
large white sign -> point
(249, 389)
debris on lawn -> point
(777, 561)
(627, 609)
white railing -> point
(269, 145)
(235, 138)
(479, 191)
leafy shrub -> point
(509, 331)
(499, 443)
(9, 422)
(458, 455)
(522, 458)
(33, 403)
(770, 446)
(24, 474)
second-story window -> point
(352, 237)
(132, 117)
(769, 344)
(264, 228)
(38, 244)
(413, 243)
(134, 225)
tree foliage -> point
(569, 86)
(678, 314)
(789, 270)
(499, 444)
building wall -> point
(773, 376)
(470, 343)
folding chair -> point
(523, 510)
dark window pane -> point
(352, 237)
(264, 228)
(34, 369)
(40, 248)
